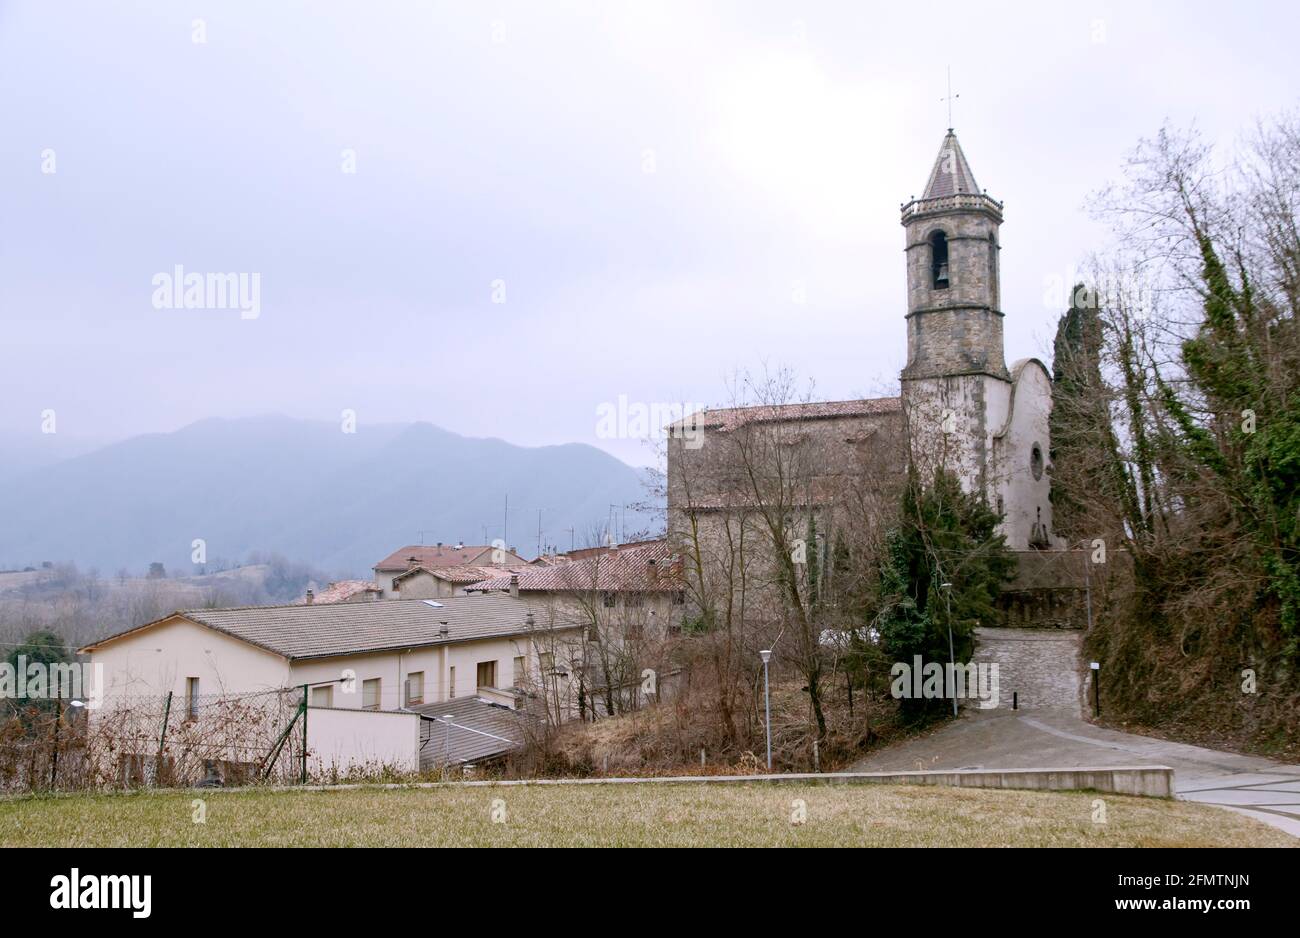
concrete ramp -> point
(1050, 729)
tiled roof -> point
(951, 174)
(341, 591)
(319, 631)
(582, 553)
(438, 557)
(628, 569)
(732, 418)
(464, 574)
(478, 730)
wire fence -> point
(142, 741)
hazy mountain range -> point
(306, 490)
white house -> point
(370, 670)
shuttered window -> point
(415, 688)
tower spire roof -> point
(951, 174)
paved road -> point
(1049, 731)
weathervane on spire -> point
(948, 98)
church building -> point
(963, 407)
(960, 407)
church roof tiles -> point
(951, 174)
(732, 418)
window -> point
(370, 694)
(415, 688)
(322, 696)
(633, 632)
(993, 269)
(521, 677)
(451, 683)
(1036, 461)
(679, 598)
(191, 698)
(487, 674)
(939, 260)
(634, 600)
(608, 598)
(546, 661)
(593, 633)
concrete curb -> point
(1153, 781)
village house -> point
(628, 603)
(421, 572)
(376, 674)
(645, 577)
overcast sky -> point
(649, 187)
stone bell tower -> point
(956, 387)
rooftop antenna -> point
(949, 98)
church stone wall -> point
(819, 450)
(1024, 480)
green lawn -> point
(757, 815)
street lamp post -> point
(766, 655)
(952, 657)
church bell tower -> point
(954, 324)
(956, 381)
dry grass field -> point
(678, 815)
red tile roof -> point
(626, 569)
(465, 574)
(341, 591)
(439, 557)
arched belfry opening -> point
(939, 260)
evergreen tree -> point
(1252, 442)
(946, 535)
(42, 647)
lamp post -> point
(952, 657)
(766, 655)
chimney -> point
(440, 545)
(311, 596)
(653, 570)
(412, 562)
(514, 585)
